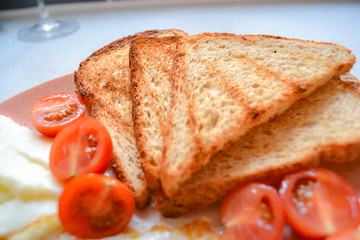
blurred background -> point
(24, 64)
(13, 4)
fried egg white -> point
(27, 188)
(29, 196)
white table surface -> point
(26, 64)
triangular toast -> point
(103, 79)
(151, 61)
(325, 126)
(225, 84)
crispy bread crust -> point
(80, 76)
(196, 198)
(195, 195)
(116, 122)
(201, 152)
(148, 49)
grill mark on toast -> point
(234, 93)
(177, 77)
(284, 101)
(199, 193)
(143, 58)
(264, 72)
(298, 89)
(194, 129)
(137, 72)
(255, 112)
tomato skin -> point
(84, 146)
(345, 235)
(319, 203)
(51, 113)
(95, 206)
(253, 211)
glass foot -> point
(47, 29)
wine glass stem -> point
(43, 11)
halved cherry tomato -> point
(253, 211)
(318, 202)
(352, 234)
(95, 206)
(51, 113)
(84, 146)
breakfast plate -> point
(18, 108)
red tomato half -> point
(318, 203)
(95, 206)
(253, 212)
(51, 113)
(83, 146)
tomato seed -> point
(265, 211)
(91, 148)
(63, 114)
(303, 192)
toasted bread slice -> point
(325, 126)
(103, 81)
(151, 62)
(225, 84)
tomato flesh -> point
(95, 206)
(83, 146)
(253, 211)
(318, 203)
(51, 113)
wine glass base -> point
(47, 29)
